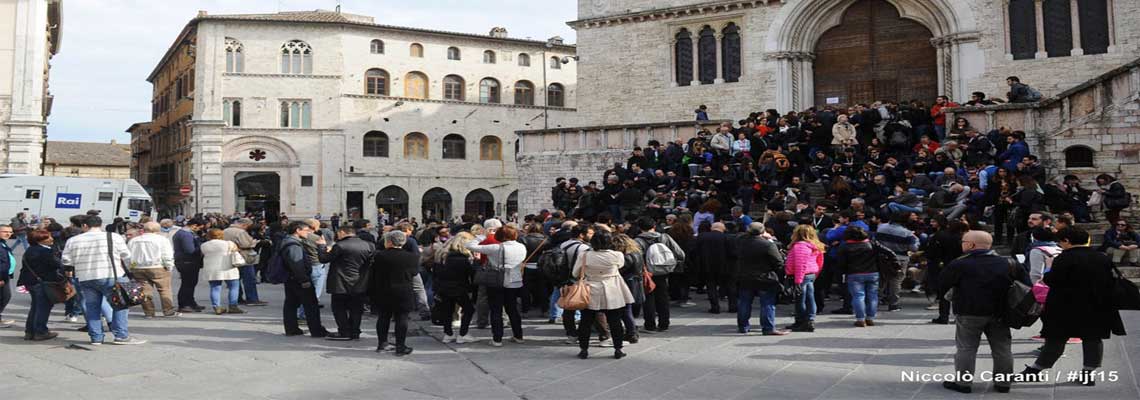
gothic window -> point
(416, 85)
(706, 55)
(490, 148)
(296, 58)
(454, 147)
(296, 114)
(1022, 29)
(453, 53)
(376, 144)
(416, 50)
(1078, 157)
(235, 59)
(416, 146)
(555, 63)
(231, 112)
(1094, 25)
(730, 52)
(683, 54)
(376, 82)
(488, 57)
(489, 91)
(524, 93)
(377, 46)
(454, 88)
(1058, 28)
(524, 60)
(555, 95)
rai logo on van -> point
(68, 200)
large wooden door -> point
(875, 55)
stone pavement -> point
(203, 356)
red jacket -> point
(939, 117)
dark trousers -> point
(465, 305)
(386, 316)
(678, 286)
(5, 295)
(39, 310)
(720, 284)
(347, 310)
(536, 291)
(1093, 349)
(295, 297)
(508, 298)
(657, 305)
(189, 279)
(613, 317)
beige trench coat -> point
(607, 289)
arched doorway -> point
(394, 201)
(513, 203)
(874, 54)
(436, 205)
(258, 193)
(479, 203)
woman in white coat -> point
(218, 255)
(608, 291)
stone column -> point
(720, 58)
(1039, 10)
(1075, 14)
(206, 165)
(696, 61)
(1111, 26)
(672, 62)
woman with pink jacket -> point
(805, 257)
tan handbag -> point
(577, 295)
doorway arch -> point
(479, 203)
(258, 193)
(394, 200)
(436, 205)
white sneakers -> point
(606, 343)
(449, 338)
(72, 319)
(128, 341)
(466, 339)
(496, 344)
(517, 340)
(571, 340)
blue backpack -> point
(278, 272)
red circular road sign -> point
(185, 190)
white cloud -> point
(110, 46)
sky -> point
(110, 46)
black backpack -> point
(555, 264)
(1021, 306)
(887, 261)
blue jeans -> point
(74, 306)
(555, 310)
(249, 282)
(805, 305)
(864, 290)
(917, 192)
(896, 208)
(319, 274)
(95, 295)
(39, 311)
(940, 131)
(22, 240)
(767, 308)
(216, 292)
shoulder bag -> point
(126, 293)
(576, 296)
(58, 292)
(490, 274)
(236, 258)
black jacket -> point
(453, 277)
(1078, 304)
(366, 236)
(756, 259)
(293, 253)
(532, 241)
(713, 251)
(392, 274)
(980, 280)
(349, 263)
(43, 263)
(856, 258)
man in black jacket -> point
(363, 230)
(299, 290)
(188, 261)
(758, 268)
(980, 280)
(713, 250)
(349, 260)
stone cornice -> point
(956, 38)
(671, 12)
(244, 74)
(789, 55)
(454, 102)
(247, 131)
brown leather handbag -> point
(576, 296)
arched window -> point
(1058, 27)
(235, 56)
(555, 95)
(489, 91)
(730, 53)
(416, 85)
(453, 53)
(376, 82)
(683, 57)
(376, 144)
(555, 63)
(296, 58)
(416, 50)
(479, 203)
(1094, 26)
(454, 88)
(394, 201)
(454, 147)
(416, 146)
(524, 93)
(296, 114)
(436, 205)
(524, 60)
(513, 203)
(1079, 157)
(1022, 29)
(377, 46)
(490, 148)
(706, 55)
(231, 112)
(488, 57)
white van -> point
(61, 197)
